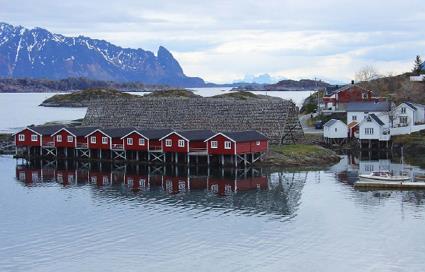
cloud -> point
(223, 40)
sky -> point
(223, 41)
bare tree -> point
(367, 73)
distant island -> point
(285, 85)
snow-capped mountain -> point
(38, 53)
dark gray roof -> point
(330, 122)
(376, 118)
(411, 105)
(196, 135)
(117, 132)
(81, 131)
(46, 130)
(377, 106)
(155, 134)
(245, 136)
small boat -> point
(381, 176)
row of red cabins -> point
(94, 142)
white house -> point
(358, 111)
(373, 128)
(409, 114)
(335, 129)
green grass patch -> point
(299, 150)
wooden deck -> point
(405, 185)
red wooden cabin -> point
(232, 143)
(186, 141)
(36, 136)
(72, 136)
(135, 141)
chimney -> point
(352, 82)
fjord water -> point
(60, 217)
(22, 109)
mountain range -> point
(37, 53)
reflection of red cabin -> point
(100, 178)
(65, 177)
(243, 142)
(252, 183)
(136, 182)
(186, 141)
(175, 185)
(221, 186)
(28, 175)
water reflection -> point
(253, 190)
(354, 164)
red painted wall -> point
(98, 144)
(64, 142)
(175, 185)
(252, 183)
(136, 137)
(155, 144)
(251, 147)
(174, 144)
(220, 146)
(197, 145)
(27, 141)
(353, 94)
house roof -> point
(245, 136)
(372, 106)
(414, 105)
(81, 131)
(196, 135)
(330, 122)
(376, 118)
(117, 132)
(155, 134)
(353, 124)
(333, 90)
(46, 130)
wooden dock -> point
(405, 185)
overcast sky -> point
(224, 40)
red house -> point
(36, 136)
(107, 139)
(71, 137)
(237, 143)
(349, 93)
(186, 141)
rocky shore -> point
(7, 145)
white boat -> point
(381, 176)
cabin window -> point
(354, 118)
(257, 142)
(59, 138)
(21, 137)
(336, 129)
(104, 140)
(368, 131)
(34, 138)
(403, 119)
(214, 144)
(403, 110)
(93, 139)
(227, 145)
(130, 141)
(141, 141)
(181, 143)
(369, 119)
(70, 139)
(168, 142)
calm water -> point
(20, 110)
(68, 217)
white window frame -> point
(70, 139)
(104, 140)
(181, 143)
(258, 143)
(34, 137)
(354, 118)
(129, 141)
(59, 138)
(21, 137)
(403, 110)
(93, 140)
(214, 144)
(369, 131)
(168, 143)
(142, 141)
(227, 145)
(404, 120)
